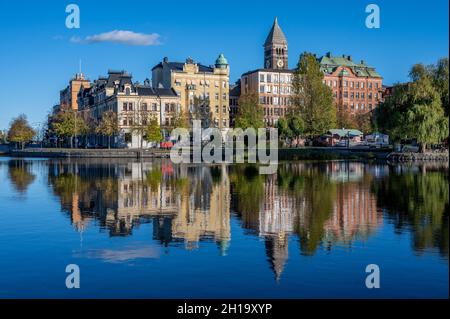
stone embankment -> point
(418, 157)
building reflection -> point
(304, 206)
(321, 204)
(184, 203)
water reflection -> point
(321, 205)
(20, 175)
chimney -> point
(166, 60)
(349, 57)
(328, 54)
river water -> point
(154, 229)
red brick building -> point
(356, 87)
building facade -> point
(357, 87)
(134, 104)
(203, 90)
(273, 83)
(68, 98)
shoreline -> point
(284, 154)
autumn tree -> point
(20, 131)
(312, 98)
(109, 125)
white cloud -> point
(121, 37)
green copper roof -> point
(221, 61)
(329, 63)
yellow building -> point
(203, 90)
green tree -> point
(312, 98)
(109, 126)
(415, 110)
(20, 131)
(290, 127)
(69, 124)
(284, 130)
(250, 114)
(153, 131)
(181, 120)
(440, 74)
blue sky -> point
(38, 57)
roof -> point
(329, 63)
(235, 90)
(149, 91)
(345, 132)
(178, 67)
(269, 70)
(276, 35)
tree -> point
(109, 125)
(181, 120)
(291, 126)
(364, 122)
(346, 120)
(415, 110)
(2, 137)
(69, 124)
(441, 82)
(20, 131)
(250, 114)
(153, 131)
(312, 98)
(284, 130)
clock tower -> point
(276, 49)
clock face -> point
(280, 63)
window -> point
(130, 106)
(127, 91)
(167, 107)
(357, 85)
(261, 78)
(224, 96)
(125, 106)
(351, 84)
(224, 84)
(362, 85)
(334, 83)
(125, 122)
(154, 107)
(345, 84)
(346, 94)
(144, 106)
(217, 96)
(217, 109)
(261, 89)
(128, 138)
(269, 78)
(224, 109)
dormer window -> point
(127, 91)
